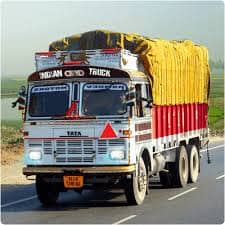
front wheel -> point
(137, 186)
(46, 192)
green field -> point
(216, 103)
(16, 124)
(10, 88)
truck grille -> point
(47, 146)
(103, 145)
(76, 151)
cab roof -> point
(85, 72)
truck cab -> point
(87, 126)
(84, 120)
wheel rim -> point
(183, 166)
(136, 193)
(194, 164)
(141, 181)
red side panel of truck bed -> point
(175, 119)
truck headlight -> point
(117, 154)
(35, 154)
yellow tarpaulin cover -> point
(179, 70)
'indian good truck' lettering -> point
(51, 74)
(99, 72)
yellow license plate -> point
(73, 181)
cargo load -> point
(178, 70)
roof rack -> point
(113, 58)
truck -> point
(107, 110)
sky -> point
(29, 27)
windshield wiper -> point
(72, 118)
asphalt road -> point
(199, 203)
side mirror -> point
(21, 100)
(149, 102)
(22, 90)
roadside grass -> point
(10, 132)
(10, 129)
(216, 104)
(11, 141)
(16, 124)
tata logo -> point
(99, 72)
(74, 73)
(74, 133)
(51, 74)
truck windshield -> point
(104, 99)
(48, 101)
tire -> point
(178, 171)
(46, 192)
(194, 163)
(182, 169)
(137, 186)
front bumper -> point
(35, 170)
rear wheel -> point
(177, 175)
(46, 192)
(137, 186)
(194, 163)
(182, 167)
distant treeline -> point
(217, 64)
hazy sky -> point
(28, 27)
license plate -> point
(73, 181)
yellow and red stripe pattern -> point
(175, 119)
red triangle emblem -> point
(108, 132)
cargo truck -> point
(111, 110)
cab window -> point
(142, 95)
(139, 108)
